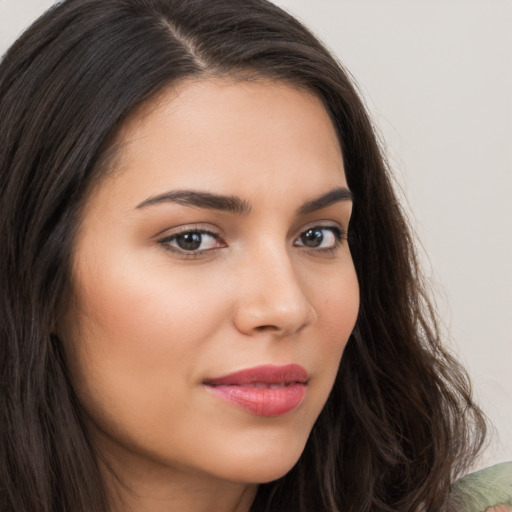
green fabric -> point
(485, 488)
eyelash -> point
(166, 242)
(339, 234)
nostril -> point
(262, 328)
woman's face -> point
(216, 245)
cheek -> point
(339, 311)
(337, 318)
(336, 299)
(133, 336)
(133, 304)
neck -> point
(181, 498)
(136, 485)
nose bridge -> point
(272, 297)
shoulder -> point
(482, 490)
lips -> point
(263, 390)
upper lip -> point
(265, 374)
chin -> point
(262, 473)
(264, 465)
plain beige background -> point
(437, 77)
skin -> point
(149, 322)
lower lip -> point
(263, 401)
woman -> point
(211, 299)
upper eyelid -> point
(325, 224)
(187, 228)
(214, 230)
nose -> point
(271, 297)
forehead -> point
(222, 133)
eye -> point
(320, 237)
(192, 242)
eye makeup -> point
(195, 241)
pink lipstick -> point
(263, 390)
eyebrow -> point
(234, 204)
(336, 195)
(206, 200)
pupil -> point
(312, 237)
(189, 241)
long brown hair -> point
(400, 423)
